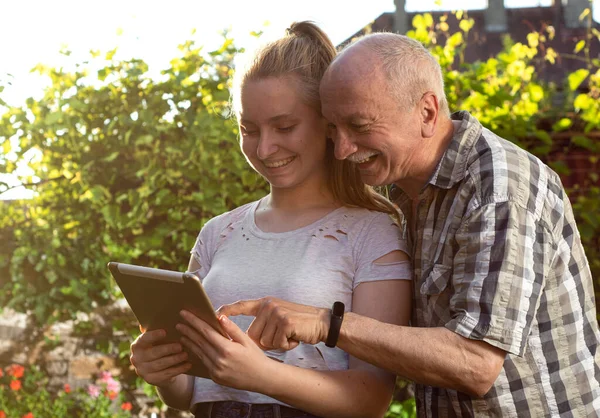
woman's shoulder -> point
(228, 219)
(358, 221)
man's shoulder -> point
(500, 170)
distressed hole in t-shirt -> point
(339, 231)
(331, 237)
(396, 225)
(390, 258)
(319, 351)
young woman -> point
(320, 236)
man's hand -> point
(280, 324)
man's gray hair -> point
(410, 68)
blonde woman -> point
(320, 236)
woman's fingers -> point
(196, 350)
(197, 339)
(234, 332)
(149, 338)
(164, 363)
(164, 376)
(145, 353)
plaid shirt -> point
(497, 257)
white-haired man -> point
(504, 319)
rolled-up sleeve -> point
(496, 287)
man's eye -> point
(360, 127)
(331, 126)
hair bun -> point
(303, 28)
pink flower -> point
(28, 415)
(125, 406)
(1, 374)
(3, 414)
(111, 395)
(67, 388)
(93, 391)
(113, 386)
(105, 377)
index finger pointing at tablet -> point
(241, 307)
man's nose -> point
(343, 146)
(267, 146)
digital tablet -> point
(157, 296)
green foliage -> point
(404, 409)
(125, 167)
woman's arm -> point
(362, 391)
(162, 364)
(177, 393)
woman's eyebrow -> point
(279, 117)
(272, 119)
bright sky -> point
(33, 31)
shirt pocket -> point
(435, 296)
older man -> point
(504, 322)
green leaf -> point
(144, 140)
(544, 137)
(580, 45)
(585, 142)
(537, 92)
(6, 147)
(560, 167)
(52, 118)
(584, 14)
(112, 157)
(577, 77)
(562, 124)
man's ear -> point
(429, 111)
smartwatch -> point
(335, 324)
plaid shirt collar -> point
(452, 167)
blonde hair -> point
(304, 54)
(409, 67)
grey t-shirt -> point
(315, 265)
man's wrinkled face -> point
(367, 124)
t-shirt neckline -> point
(256, 231)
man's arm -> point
(431, 356)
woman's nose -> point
(267, 146)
